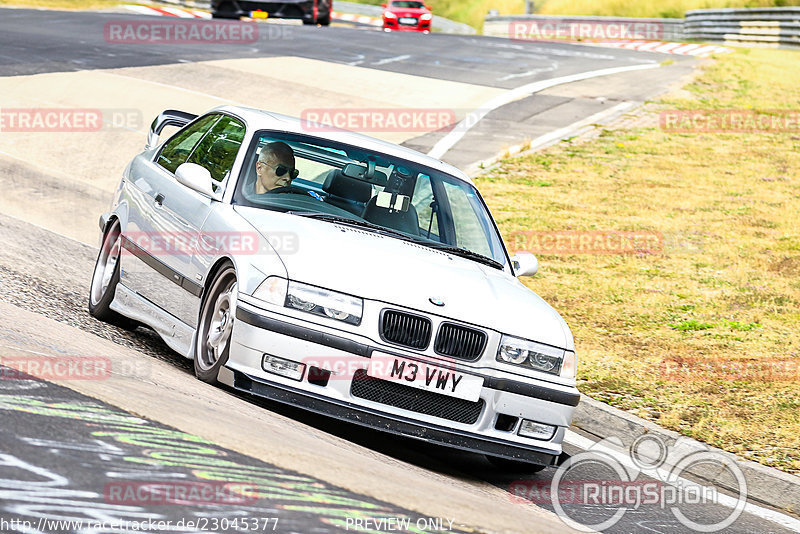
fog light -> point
(283, 367)
(532, 429)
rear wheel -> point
(324, 21)
(105, 279)
(214, 329)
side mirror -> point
(197, 178)
(429, 8)
(384, 5)
(525, 264)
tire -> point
(215, 325)
(513, 466)
(105, 279)
(324, 21)
(225, 11)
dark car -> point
(406, 15)
(309, 11)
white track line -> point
(392, 59)
(666, 477)
(455, 135)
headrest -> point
(339, 185)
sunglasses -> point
(282, 169)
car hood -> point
(377, 267)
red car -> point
(407, 15)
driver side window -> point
(178, 149)
(217, 150)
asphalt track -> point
(62, 444)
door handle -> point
(159, 200)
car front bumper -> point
(394, 25)
(258, 332)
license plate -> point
(407, 20)
(425, 376)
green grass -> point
(724, 293)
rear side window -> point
(178, 149)
(217, 150)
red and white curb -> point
(169, 12)
(361, 19)
(684, 49)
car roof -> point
(266, 120)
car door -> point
(163, 230)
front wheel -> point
(214, 329)
(105, 279)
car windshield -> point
(350, 185)
(408, 4)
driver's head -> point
(275, 167)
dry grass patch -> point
(702, 337)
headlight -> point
(272, 290)
(425, 16)
(323, 302)
(536, 356)
(389, 15)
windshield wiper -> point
(464, 253)
(353, 222)
(458, 251)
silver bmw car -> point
(341, 274)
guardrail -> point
(765, 27)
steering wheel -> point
(291, 189)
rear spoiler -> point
(168, 117)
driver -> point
(275, 167)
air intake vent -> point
(405, 329)
(459, 342)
